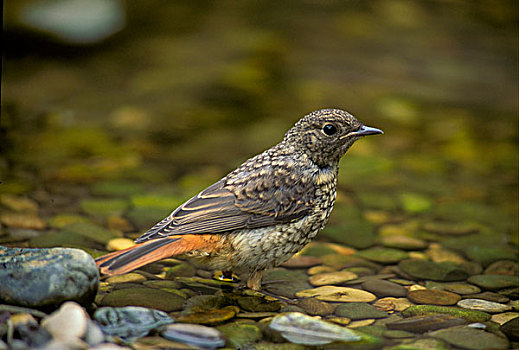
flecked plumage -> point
(260, 214)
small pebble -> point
(69, 322)
(197, 335)
(433, 297)
(483, 305)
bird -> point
(260, 214)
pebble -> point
(130, 322)
(69, 322)
(240, 334)
(337, 277)
(197, 335)
(337, 294)
(490, 296)
(433, 297)
(26, 326)
(494, 282)
(403, 242)
(299, 328)
(288, 282)
(383, 288)
(467, 314)
(503, 267)
(131, 277)
(145, 297)
(439, 254)
(483, 305)
(422, 324)
(461, 288)
(117, 223)
(20, 204)
(361, 323)
(470, 338)
(42, 276)
(450, 228)
(397, 334)
(301, 261)
(316, 307)
(429, 270)
(22, 220)
(504, 317)
(212, 316)
(383, 255)
(511, 329)
(319, 269)
(359, 311)
(119, 244)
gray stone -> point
(359, 311)
(383, 288)
(41, 277)
(470, 338)
(202, 336)
(484, 305)
(428, 270)
(422, 324)
(130, 322)
(511, 329)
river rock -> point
(299, 328)
(429, 270)
(41, 277)
(337, 294)
(359, 311)
(422, 324)
(511, 329)
(494, 282)
(484, 305)
(69, 322)
(130, 322)
(383, 288)
(470, 338)
(197, 335)
(145, 297)
(433, 297)
(336, 277)
(467, 314)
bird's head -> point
(325, 135)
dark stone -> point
(44, 277)
(422, 324)
(428, 270)
(359, 311)
(511, 329)
(383, 288)
(145, 297)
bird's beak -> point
(364, 131)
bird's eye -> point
(329, 129)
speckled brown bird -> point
(260, 214)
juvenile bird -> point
(260, 214)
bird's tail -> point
(141, 254)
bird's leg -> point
(254, 281)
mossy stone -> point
(469, 315)
(429, 270)
(383, 255)
(240, 334)
(359, 311)
(145, 297)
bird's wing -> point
(249, 200)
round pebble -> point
(483, 305)
(200, 336)
(383, 288)
(337, 277)
(494, 282)
(68, 322)
(337, 294)
(433, 297)
(422, 324)
(119, 244)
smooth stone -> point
(503, 267)
(209, 316)
(94, 335)
(439, 254)
(316, 307)
(299, 328)
(200, 336)
(336, 277)
(22, 220)
(41, 277)
(117, 223)
(256, 315)
(383, 288)
(145, 297)
(490, 296)
(240, 334)
(422, 324)
(385, 304)
(467, 314)
(383, 255)
(494, 282)
(433, 297)
(119, 244)
(483, 305)
(285, 282)
(317, 250)
(183, 269)
(429, 270)
(403, 242)
(457, 287)
(130, 322)
(320, 269)
(395, 334)
(511, 329)
(486, 255)
(69, 322)
(337, 294)
(470, 338)
(300, 261)
(451, 228)
(361, 323)
(359, 311)
(504, 317)
(130, 277)
(62, 220)
(29, 333)
(257, 304)
(17, 203)
(421, 344)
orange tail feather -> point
(132, 258)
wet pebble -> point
(503, 267)
(213, 316)
(383, 255)
(483, 305)
(456, 287)
(42, 276)
(422, 324)
(336, 277)
(316, 307)
(511, 329)
(490, 296)
(130, 322)
(239, 335)
(494, 282)
(22, 220)
(131, 277)
(337, 294)
(285, 282)
(433, 297)
(69, 322)
(359, 311)
(320, 269)
(145, 297)
(197, 335)
(302, 329)
(429, 270)
(504, 317)
(470, 338)
(383, 288)
(301, 261)
(467, 314)
(119, 244)
(403, 242)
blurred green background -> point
(178, 93)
